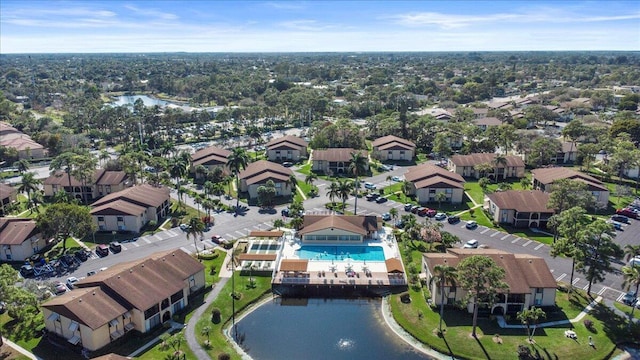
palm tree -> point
(443, 274)
(37, 199)
(525, 183)
(334, 191)
(631, 251)
(195, 230)
(84, 171)
(22, 166)
(201, 172)
(345, 188)
(293, 183)
(440, 197)
(393, 212)
(357, 167)
(198, 201)
(237, 161)
(311, 178)
(28, 185)
(177, 170)
(407, 187)
(65, 161)
(531, 316)
(500, 161)
(631, 276)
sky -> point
(316, 26)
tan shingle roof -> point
(143, 195)
(394, 265)
(210, 154)
(488, 121)
(293, 265)
(19, 142)
(15, 231)
(521, 200)
(263, 170)
(438, 182)
(6, 191)
(568, 146)
(90, 306)
(337, 154)
(99, 177)
(423, 171)
(358, 224)
(522, 272)
(482, 158)
(273, 234)
(391, 141)
(549, 175)
(291, 141)
(118, 207)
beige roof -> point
(358, 224)
(439, 182)
(15, 231)
(111, 356)
(263, 170)
(19, 141)
(210, 155)
(258, 257)
(482, 158)
(424, 171)
(90, 306)
(6, 191)
(273, 234)
(488, 121)
(142, 195)
(145, 282)
(522, 272)
(337, 154)
(288, 141)
(293, 265)
(118, 207)
(549, 175)
(568, 146)
(392, 142)
(521, 200)
(99, 177)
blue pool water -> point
(358, 253)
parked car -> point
(285, 212)
(629, 298)
(440, 216)
(381, 199)
(102, 250)
(453, 219)
(415, 208)
(407, 207)
(27, 271)
(422, 211)
(115, 247)
(60, 288)
(369, 185)
(399, 224)
(471, 244)
(82, 255)
(431, 212)
(287, 164)
(471, 225)
(372, 196)
(217, 239)
(616, 225)
(620, 218)
(184, 227)
(386, 216)
(396, 179)
(627, 212)
(71, 281)
(635, 261)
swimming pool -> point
(358, 253)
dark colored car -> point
(27, 271)
(102, 250)
(115, 247)
(287, 164)
(399, 224)
(415, 209)
(627, 213)
(620, 218)
(81, 255)
(371, 197)
(217, 239)
(381, 199)
(285, 212)
(453, 219)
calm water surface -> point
(321, 329)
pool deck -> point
(343, 272)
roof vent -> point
(530, 261)
(94, 293)
(501, 257)
(142, 265)
(79, 300)
(118, 276)
(130, 271)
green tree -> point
(345, 188)
(530, 317)
(571, 222)
(195, 231)
(357, 167)
(293, 185)
(543, 150)
(64, 162)
(588, 153)
(443, 275)
(266, 193)
(61, 221)
(393, 212)
(440, 197)
(178, 170)
(407, 188)
(631, 276)
(334, 191)
(597, 247)
(311, 178)
(237, 161)
(28, 185)
(484, 182)
(22, 166)
(566, 193)
(482, 279)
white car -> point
(440, 216)
(71, 281)
(471, 244)
(369, 185)
(635, 261)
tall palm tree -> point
(345, 188)
(631, 276)
(357, 167)
(631, 251)
(37, 199)
(22, 166)
(195, 230)
(178, 170)
(407, 186)
(28, 185)
(84, 171)
(334, 191)
(440, 197)
(237, 161)
(293, 184)
(500, 161)
(311, 178)
(65, 162)
(443, 274)
(394, 214)
(103, 157)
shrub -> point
(405, 297)
(588, 324)
(224, 356)
(215, 316)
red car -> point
(627, 212)
(217, 239)
(431, 212)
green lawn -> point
(627, 309)
(475, 191)
(305, 169)
(56, 250)
(478, 216)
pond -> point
(321, 329)
(129, 100)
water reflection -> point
(322, 329)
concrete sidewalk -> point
(19, 349)
(503, 324)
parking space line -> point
(157, 236)
(135, 244)
(620, 297)
(538, 247)
(527, 243)
(186, 250)
(123, 247)
(484, 231)
(575, 281)
(585, 287)
(504, 237)
(561, 277)
(146, 239)
(208, 243)
(495, 233)
(604, 288)
(170, 232)
(229, 236)
(397, 205)
(241, 233)
(515, 240)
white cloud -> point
(289, 5)
(306, 25)
(151, 13)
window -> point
(539, 290)
(100, 218)
(448, 191)
(151, 311)
(177, 296)
(120, 218)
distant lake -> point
(309, 329)
(129, 100)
